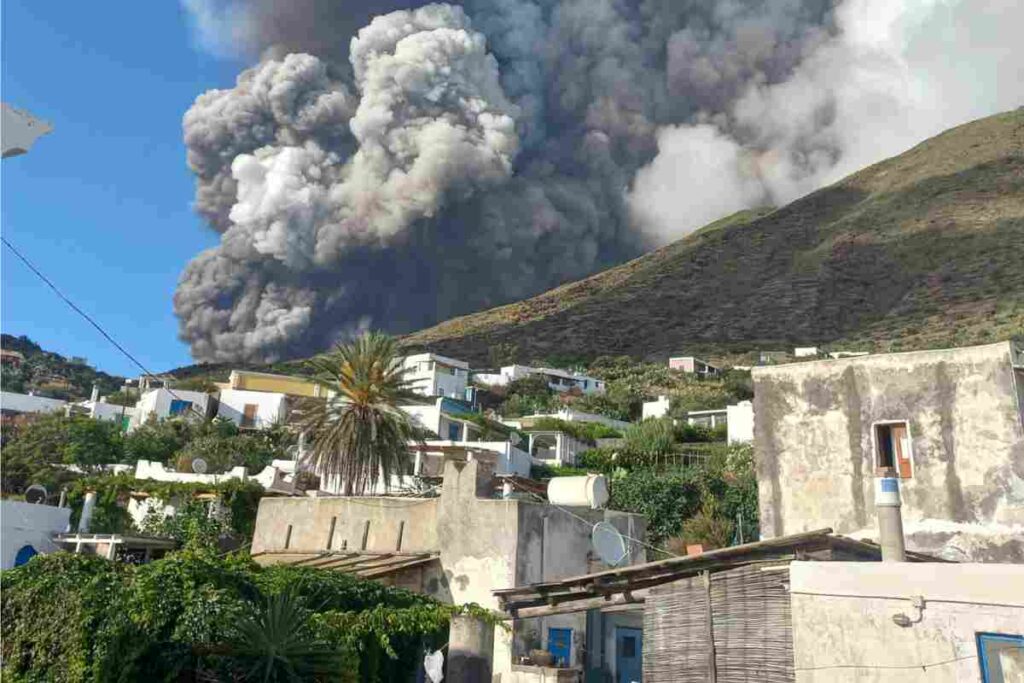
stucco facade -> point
(482, 543)
(817, 439)
(28, 529)
(843, 626)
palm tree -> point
(359, 434)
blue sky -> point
(103, 203)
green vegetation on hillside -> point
(918, 251)
(51, 374)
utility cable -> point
(90, 320)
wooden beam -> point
(616, 602)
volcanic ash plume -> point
(446, 158)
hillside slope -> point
(922, 250)
(51, 374)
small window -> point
(453, 431)
(628, 646)
(1001, 657)
(249, 414)
(892, 448)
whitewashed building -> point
(252, 409)
(12, 403)
(693, 366)
(558, 380)
(162, 403)
(432, 375)
(28, 530)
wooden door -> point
(901, 449)
(249, 414)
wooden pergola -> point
(363, 564)
(629, 585)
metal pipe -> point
(87, 507)
(890, 519)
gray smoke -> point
(445, 158)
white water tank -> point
(586, 491)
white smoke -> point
(893, 75)
(447, 158)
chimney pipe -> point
(87, 508)
(890, 519)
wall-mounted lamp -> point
(903, 621)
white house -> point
(569, 415)
(12, 403)
(28, 530)
(432, 375)
(252, 409)
(111, 412)
(740, 421)
(655, 409)
(163, 403)
(694, 366)
(558, 380)
(805, 351)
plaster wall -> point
(843, 628)
(157, 403)
(29, 524)
(271, 408)
(816, 453)
(740, 422)
(379, 518)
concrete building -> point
(893, 621)
(253, 409)
(655, 409)
(567, 415)
(740, 420)
(950, 423)
(735, 614)
(160, 404)
(693, 366)
(27, 529)
(558, 380)
(432, 375)
(805, 351)
(458, 547)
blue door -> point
(629, 645)
(560, 645)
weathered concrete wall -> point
(843, 627)
(380, 519)
(26, 524)
(815, 447)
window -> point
(179, 407)
(892, 448)
(560, 645)
(453, 431)
(249, 414)
(1001, 657)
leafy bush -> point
(528, 396)
(666, 499)
(709, 527)
(197, 616)
(650, 439)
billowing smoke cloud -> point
(449, 157)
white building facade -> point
(558, 380)
(432, 375)
(28, 530)
(252, 409)
(163, 403)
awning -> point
(366, 565)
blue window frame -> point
(25, 554)
(453, 431)
(560, 645)
(996, 652)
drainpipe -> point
(890, 519)
(87, 508)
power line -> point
(91, 321)
(884, 666)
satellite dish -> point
(199, 466)
(36, 494)
(609, 544)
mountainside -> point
(51, 374)
(922, 250)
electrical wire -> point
(49, 283)
(885, 666)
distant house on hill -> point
(949, 422)
(558, 380)
(11, 359)
(432, 375)
(694, 366)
